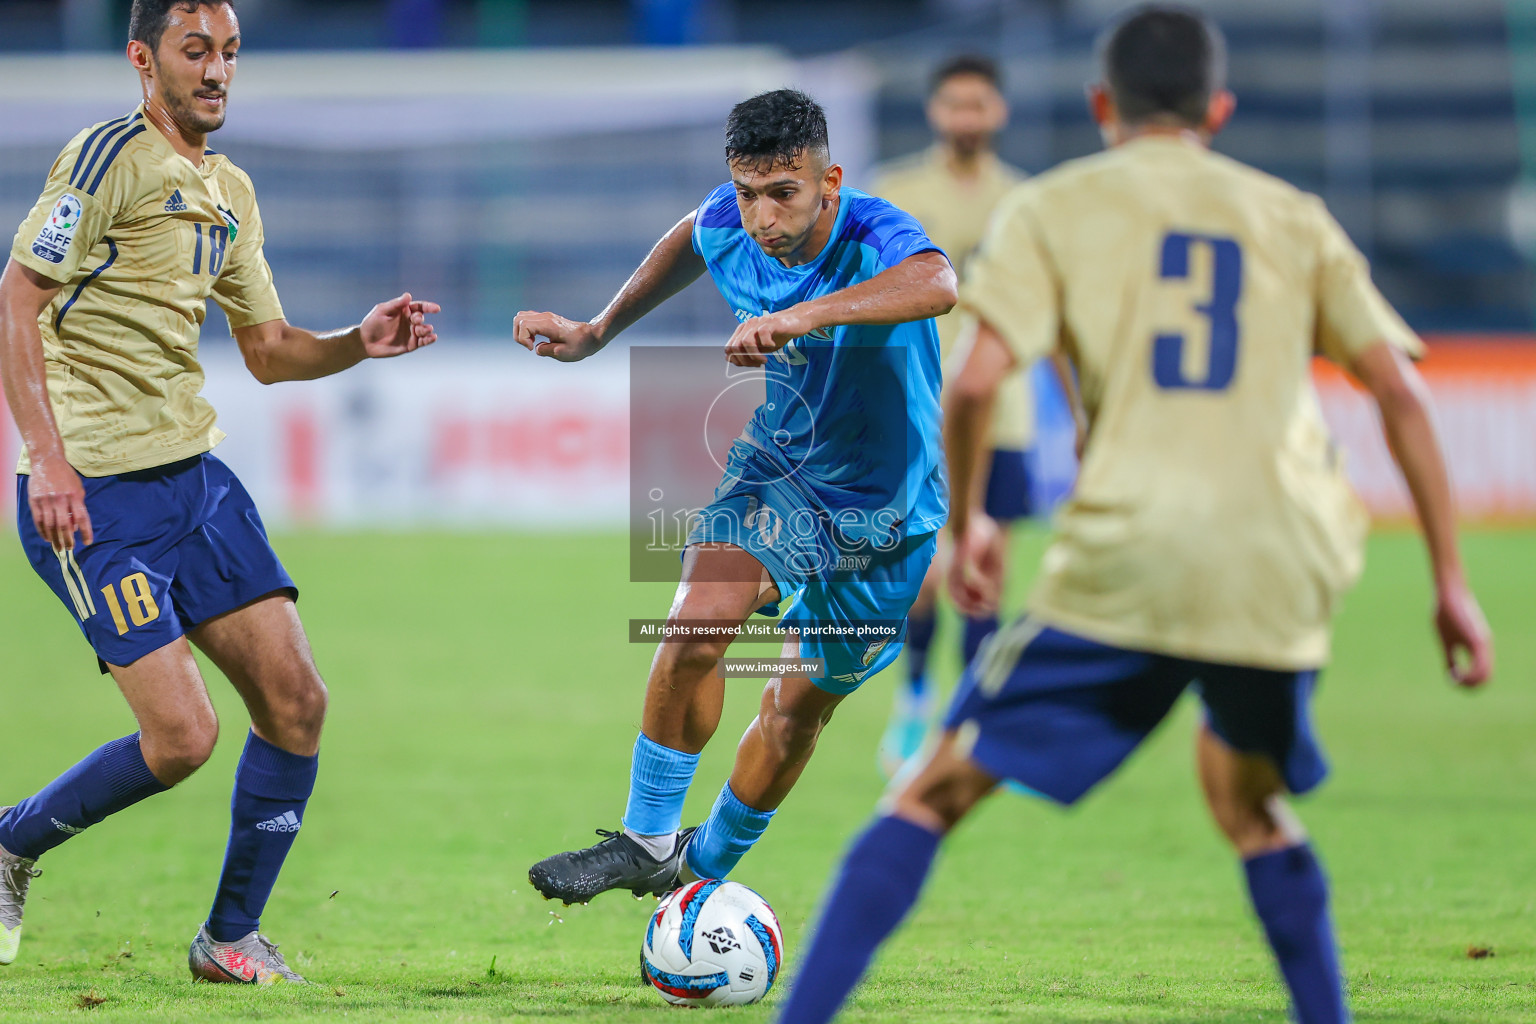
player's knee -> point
(942, 800)
(173, 752)
(693, 657)
(1256, 823)
(301, 714)
(944, 790)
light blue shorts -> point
(848, 597)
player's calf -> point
(778, 744)
(790, 733)
(943, 789)
(1246, 795)
(1286, 883)
(773, 752)
(685, 694)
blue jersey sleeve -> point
(718, 212)
(892, 232)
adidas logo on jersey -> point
(285, 822)
(176, 204)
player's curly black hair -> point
(148, 20)
(966, 64)
(775, 128)
(1163, 60)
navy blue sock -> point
(111, 777)
(271, 788)
(1290, 895)
(880, 879)
(977, 630)
(920, 630)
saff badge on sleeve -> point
(58, 231)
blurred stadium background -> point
(502, 154)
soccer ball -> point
(712, 943)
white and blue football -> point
(712, 943)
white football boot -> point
(16, 874)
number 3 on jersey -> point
(1220, 311)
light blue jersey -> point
(852, 413)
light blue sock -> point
(730, 831)
(659, 778)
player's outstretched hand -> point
(554, 336)
(756, 339)
(398, 326)
(977, 566)
(1464, 636)
(57, 500)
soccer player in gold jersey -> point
(1211, 530)
(147, 538)
(952, 188)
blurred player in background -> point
(952, 188)
(1211, 530)
(146, 537)
(835, 291)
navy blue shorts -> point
(175, 546)
(1058, 713)
(1008, 486)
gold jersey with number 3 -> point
(139, 237)
(1211, 518)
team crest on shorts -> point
(53, 241)
(872, 651)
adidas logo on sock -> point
(72, 830)
(176, 204)
(285, 822)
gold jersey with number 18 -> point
(1211, 518)
(140, 238)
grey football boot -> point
(16, 874)
(251, 960)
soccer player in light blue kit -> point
(832, 497)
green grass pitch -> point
(484, 703)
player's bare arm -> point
(919, 287)
(1402, 397)
(976, 567)
(671, 266)
(56, 495)
(277, 351)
